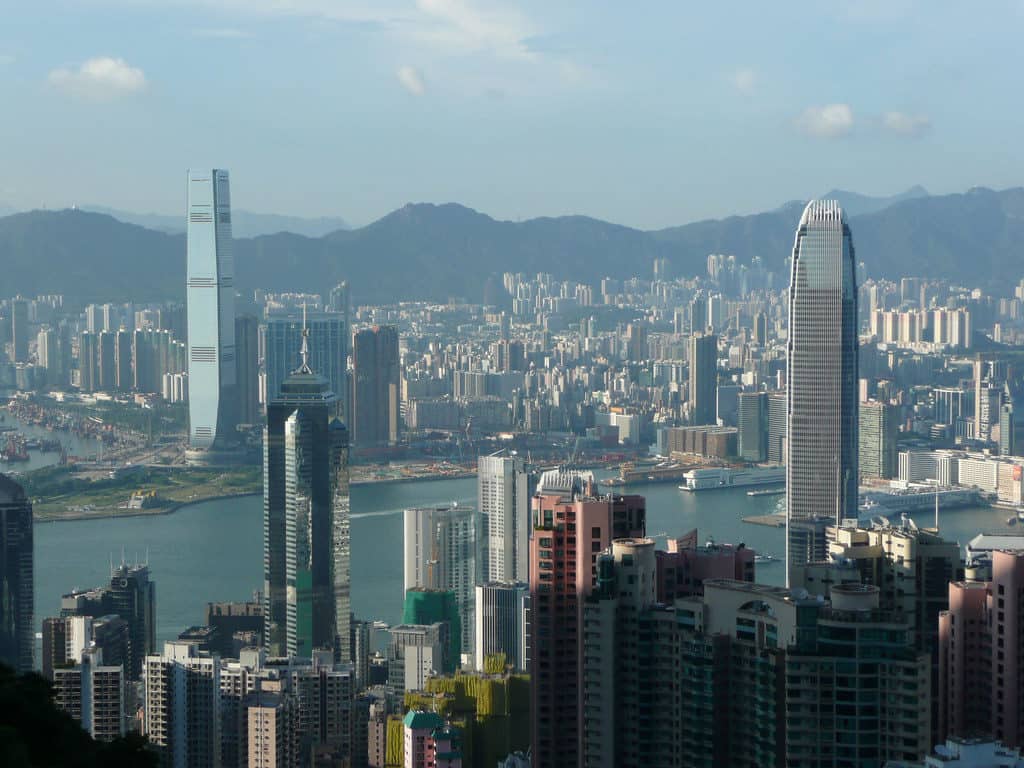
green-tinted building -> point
(431, 606)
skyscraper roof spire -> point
(304, 351)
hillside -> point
(426, 251)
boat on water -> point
(765, 559)
(767, 492)
(712, 478)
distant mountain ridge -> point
(433, 252)
(856, 204)
(243, 223)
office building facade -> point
(210, 290)
(703, 378)
(306, 520)
(877, 434)
(752, 439)
(17, 632)
(822, 445)
(440, 553)
(328, 343)
(376, 386)
(499, 617)
(247, 368)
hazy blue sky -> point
(644, 113)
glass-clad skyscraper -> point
(821, 466)
(306, 519)
(211, 311)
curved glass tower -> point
(821, 465)
(211, 311)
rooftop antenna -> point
(304, 350)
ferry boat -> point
(767, 492)
(889, 503)
(713, 478)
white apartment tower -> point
(503, 518)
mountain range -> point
(427, 251)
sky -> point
(645, 113)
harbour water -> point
(214, 550)
(76, 446)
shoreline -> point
(106, 514)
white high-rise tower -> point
(210, 293)
(503, 523)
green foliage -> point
(33, 732)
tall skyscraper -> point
(503, 518)
(376, 386)
(247, 367)
(19, 330)
(703, 377)
(572, 525)
(440, 553)
(211, 311)
(821, 468)
(17, 634)
(306, 519)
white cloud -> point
(100, 79)
(744, 80)
(411, 80)
(460, 25)
(830, 121)
(904, 124)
